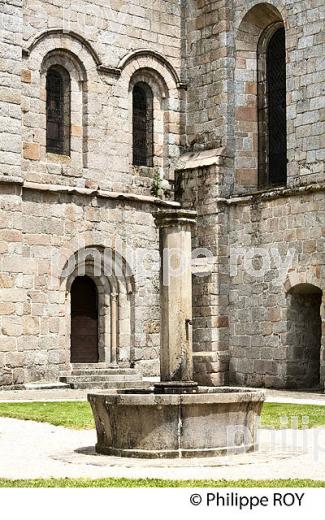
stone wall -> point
(199, 188)
(12, 293)
(241, 323)
(259, 247)
(209, 60)
(222, 39)
(305, 70)
(56, 225)
(275, 245)
(103, 45)
(11, 20)
(51, 206)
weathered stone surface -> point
(52, 206)
(176, 354)
(173, 426)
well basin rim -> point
(213, 396)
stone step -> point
(46, 386)
(91, 366)
(105, 372)
(100, 378)
(108, 385)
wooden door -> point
(84, 321)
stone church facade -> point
(113, 110)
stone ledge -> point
(9, 179)
(270, 194)
(128, 197)
(203, 159)
(274, 193)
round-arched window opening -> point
(58, 109)
(272, 107)
(142, 125)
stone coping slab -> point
(204, 396)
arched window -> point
(142, 125)
(58, 110)
(272, 107)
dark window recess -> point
(277, 121)
(142, 125)
(58, 111)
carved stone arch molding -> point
(266, 10)
(145, 66)
(69, 40)
(148, 54)
(308, 277)
(116, 301)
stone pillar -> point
(114, 318)
(176, 357)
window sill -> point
(143, 171)
(270, 187)
(58, 158)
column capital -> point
(175, 217)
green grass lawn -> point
(276, 415)
(77, 415)
(127, 483)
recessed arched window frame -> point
(58, 110)
(272, 118)
(142, 122)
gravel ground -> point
(34, 450)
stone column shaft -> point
(114, 312)
(176, 357)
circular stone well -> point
(211, 422)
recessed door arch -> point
(304, 336)
(84, 321)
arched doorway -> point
(84, 321)
(304, 336)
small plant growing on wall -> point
(156, 189)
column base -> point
(176, 387)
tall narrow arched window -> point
(142, 125)
(58, 110)
(272, 108)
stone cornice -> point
(246, 198)
(274, 193)
(86, 192)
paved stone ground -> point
(276, 396)
(34, 450)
